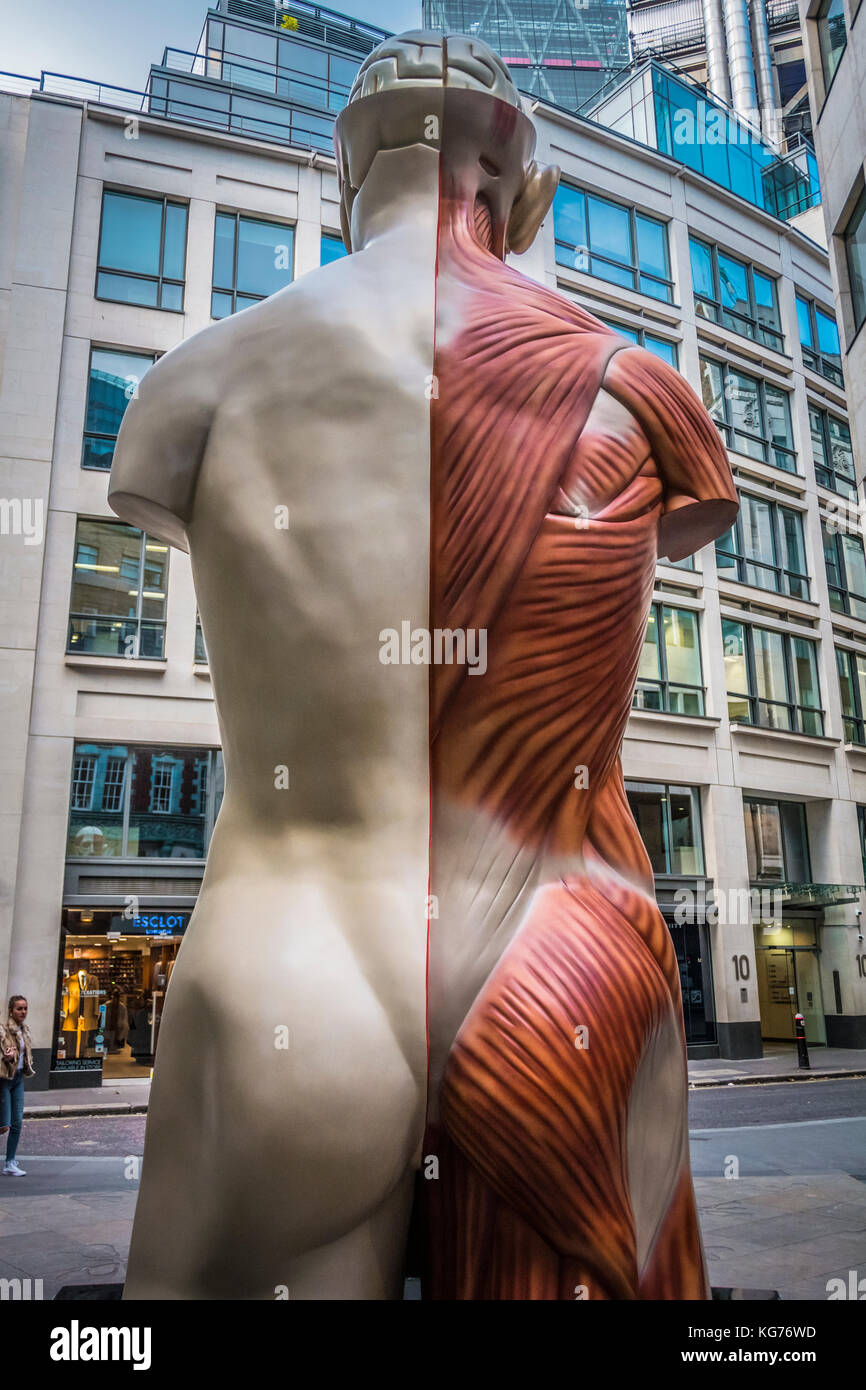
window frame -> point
(159, 280)
(783, 842)
(755, 701)
(99, 434)
(742, 559)
(75, 615)
(233, 293)
(843, 590)
(206, 812)
(719, 309)
(639, 340)
(819, 363)
(857, 720)
(858, 298)
(664, 682)
(666, 789)
(633, 267)
(727, 429)
(821, 28)
(850, 489)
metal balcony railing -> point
(311, 21)
(673, 38)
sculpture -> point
(425, 880)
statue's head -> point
(451, 93)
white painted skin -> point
(268, 1167)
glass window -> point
(114, 379)
(118, 598)
(252, 260)
(846, 571)
(753, 415)
(670, 677)
(669, 822)
(777, 847)
(142, 251)
(736, 295)
(143, 803)
(660, 347)
(855, 254)
(331, 249)
(611, 241)
(832, 36)
(819, 340)
(832, 452)
(851, 667)
(765, 548)
(771, 679)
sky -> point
(115, 41)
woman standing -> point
(16, 1062)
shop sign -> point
(152, 924)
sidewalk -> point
(114, 1098)
(779, 1063)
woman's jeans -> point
(12, 1112)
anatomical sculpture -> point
(426, 967)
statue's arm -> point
(162, 441)
(700, 498)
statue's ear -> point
(531, 207)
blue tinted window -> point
(332, 249)
(252, 260)
(131, 233)
(804, 322)
(828, 334)
(114, 378)
(142, 249)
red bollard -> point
(802, 1049)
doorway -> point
(789, 982)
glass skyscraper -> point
(561, 50)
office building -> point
(132, 221)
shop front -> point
(114, 972)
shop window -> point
(143, 803)
(771, 679)
(777, 845)
(614, 242)
(854, 238)
(670, 677)
(669, 821)
(114, 974)
(142, 251)
(113, 382)
(735, 294)
(819, 340)
(331, 248)
(832, 37)
(851, 667)
(832, 452)
(765, 548)
(118, 598)
(752, 415)
(252, 260)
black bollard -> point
(802, 1049)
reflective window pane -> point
(131, 233)
(610, 230)
(804, 322)
(174, 253)
(855, 253)
(332, 249)
(702, 269)
(224, 250)
(264, 257)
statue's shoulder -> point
(164, 433)
(700, 497)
